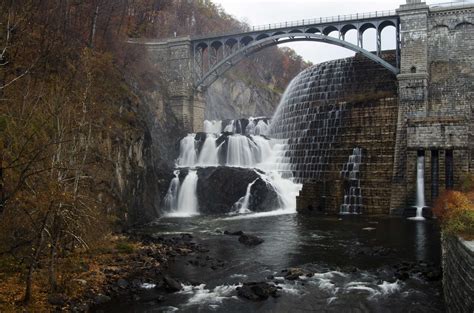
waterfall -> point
(420, 187)
(209, 153)
(262, 149)
(187, 204)
(257, 126)
(187, 151)
(171, 198)
(242, 205)
(261, 128)
(212, 127)
(286, 190)
(352, 203)
(240, 151)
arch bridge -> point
(214, 55)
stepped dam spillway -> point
(340, 120)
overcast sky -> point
(259, 12)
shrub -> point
(455, 211)
(124, 247)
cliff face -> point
(232, 99)
(145, 162)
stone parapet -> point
(458, 274)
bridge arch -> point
(312, 30)
(329, 29)
(251, 46)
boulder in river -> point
(219, 188)
(234, 233)
(294, 273)
(250, 240)
(257, 291)
(171, 284)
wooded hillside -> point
(66, 104)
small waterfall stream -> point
(420, 187)
(187, 197)
(209, 152)
(352, 203)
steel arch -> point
(254, 46)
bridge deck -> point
(321, 21)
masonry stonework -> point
(458, 277)
(435, 97)
(174, 58)
(436, 102)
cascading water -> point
(213, 127)
(242, 206)
(171, 198)
(187, 204)
(209, 152)
(240, 145)
(352, 203)
(187, 152)
(241, 151)
(420, 187)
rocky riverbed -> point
(287, 263)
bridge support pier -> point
(174, 58)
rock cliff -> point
(230, 98)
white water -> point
(257, 126)
(247, 150)
(171, 198)
(420, 188)
(187, 204)
(187, 151)
(209, 152)
(212, 127)
(240, 151)
(352, 202)
(242, 205)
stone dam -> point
(357, 137)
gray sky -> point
(259, 12)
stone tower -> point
(413, 87)
(436, 102)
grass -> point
(77, 267)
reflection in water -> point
(420, 241)
(350, 269)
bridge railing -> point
(305, 22)
(324, 20)
(460, 3)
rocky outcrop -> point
(220, 188)
(232, 99)
(257, 291)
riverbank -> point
(118, 268)
(283, 263)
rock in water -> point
(235, 233)
(257, 291)
(220, 188)
(294, 273)
(250, 240)
(171, 284)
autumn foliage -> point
(455, 210)
(66, 103)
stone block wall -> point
(436, 92)
(458, 275)
(331, 109)
(173, 58)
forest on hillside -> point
(66, 99)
